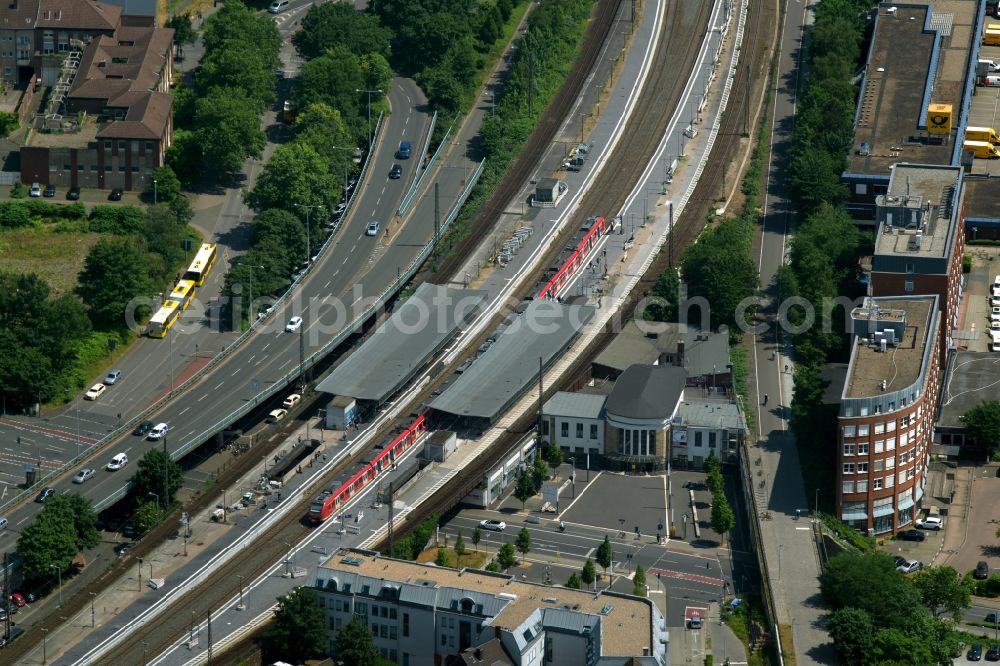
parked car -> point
(19, 600)
(975, 652)
(83, 475)
(993, 654)
(293, 324)
(694, 622)
(982, 571)
(493, 525)
(911, 535)
(44, 494)
(159, 431)
(116, 194)
(909, 566)
(395, 172)
(143, 428)
(35, 191)
(994, 313)
(276, 415)
(930, 523)
(95, 392)
(73, 194)
(112, 378)
(991, 618)
(123, 548)
(291, 401)
(372, 229)
(898, 560)
(50, 191)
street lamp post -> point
(154, 191)
(347, 165)
(93, 614)
(288, 561)
(369, 92)
(308, 233)
(572, 476)
(241, 605)
(45, 636)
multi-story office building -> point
(422, 614)
(887, 412)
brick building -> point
(886, 414)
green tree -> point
(942, 590)
(114, 273)
(477, 536)
(639, 582)
(240, 67)
(165, 235)
(604, 554)
(554, 456)
(524, 489)
(227, 131)
(48, 543)
(712, 463)
(505, 556)
(333, 79)
(719, 268)
(574, 581)
(323, 128)
(459, 548)
(376, 72)
(233, 23)
(296, 179)
(539, 472)
(870, 582)
(524, 542)
(662, 305)
(441, 559)
(340, 23)
(722, 515)
(157, 473)
(853, 635)
(589, 574)
(298, 631)
(493, 566)
(288, 233)
(983, 423)
(183, 30)
(79, 512)
(147, 515)
(168, 185)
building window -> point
(697, 438)
(406, 624)
(593, 431)
(890, 462)
(861, 188)
(863, 486)
(848, 431)
(890, 481)
(579, 431)
(908, 286)
(879, 428)
(149, 145)
(879, 445)
(711, 440)
(877, 484)
(890, 426)
(848, 449)
(444, 639)
(910, 268)
(878, 465)
(848, 486)
(392, 632)
(863, 467)
(890, 444)
(564, 429)
(848, 468)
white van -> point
(3, 523)
(991, 66)
(118, 462)
(278, 6)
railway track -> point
(609, 193)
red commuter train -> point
(329, 502)
(598, 226)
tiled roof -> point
(78, 15)
(146, 118)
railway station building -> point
(423, 614)
(399, 350)
(887, 410)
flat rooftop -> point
(626, 625)
(901, 69)
(930, 192)
(982, 197)
(397, 350)
(899, 366)
(503, 372)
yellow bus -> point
(202, 264)
(183, 293)
(164, 319)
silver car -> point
(83, 475)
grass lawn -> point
(56, 257)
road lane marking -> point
(235, 373)
(183, 410)
(219, 385)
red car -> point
(19, 599)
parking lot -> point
(976, 305)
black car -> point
(44, 494)
(143, 428)
(395, 172)
(50, 191)
(73, 194)
(982, 571)
(993, 654)
(123, 548)
(898, 561)
(990, 619)
(975, 652)
(116, 194)
(911, 535)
